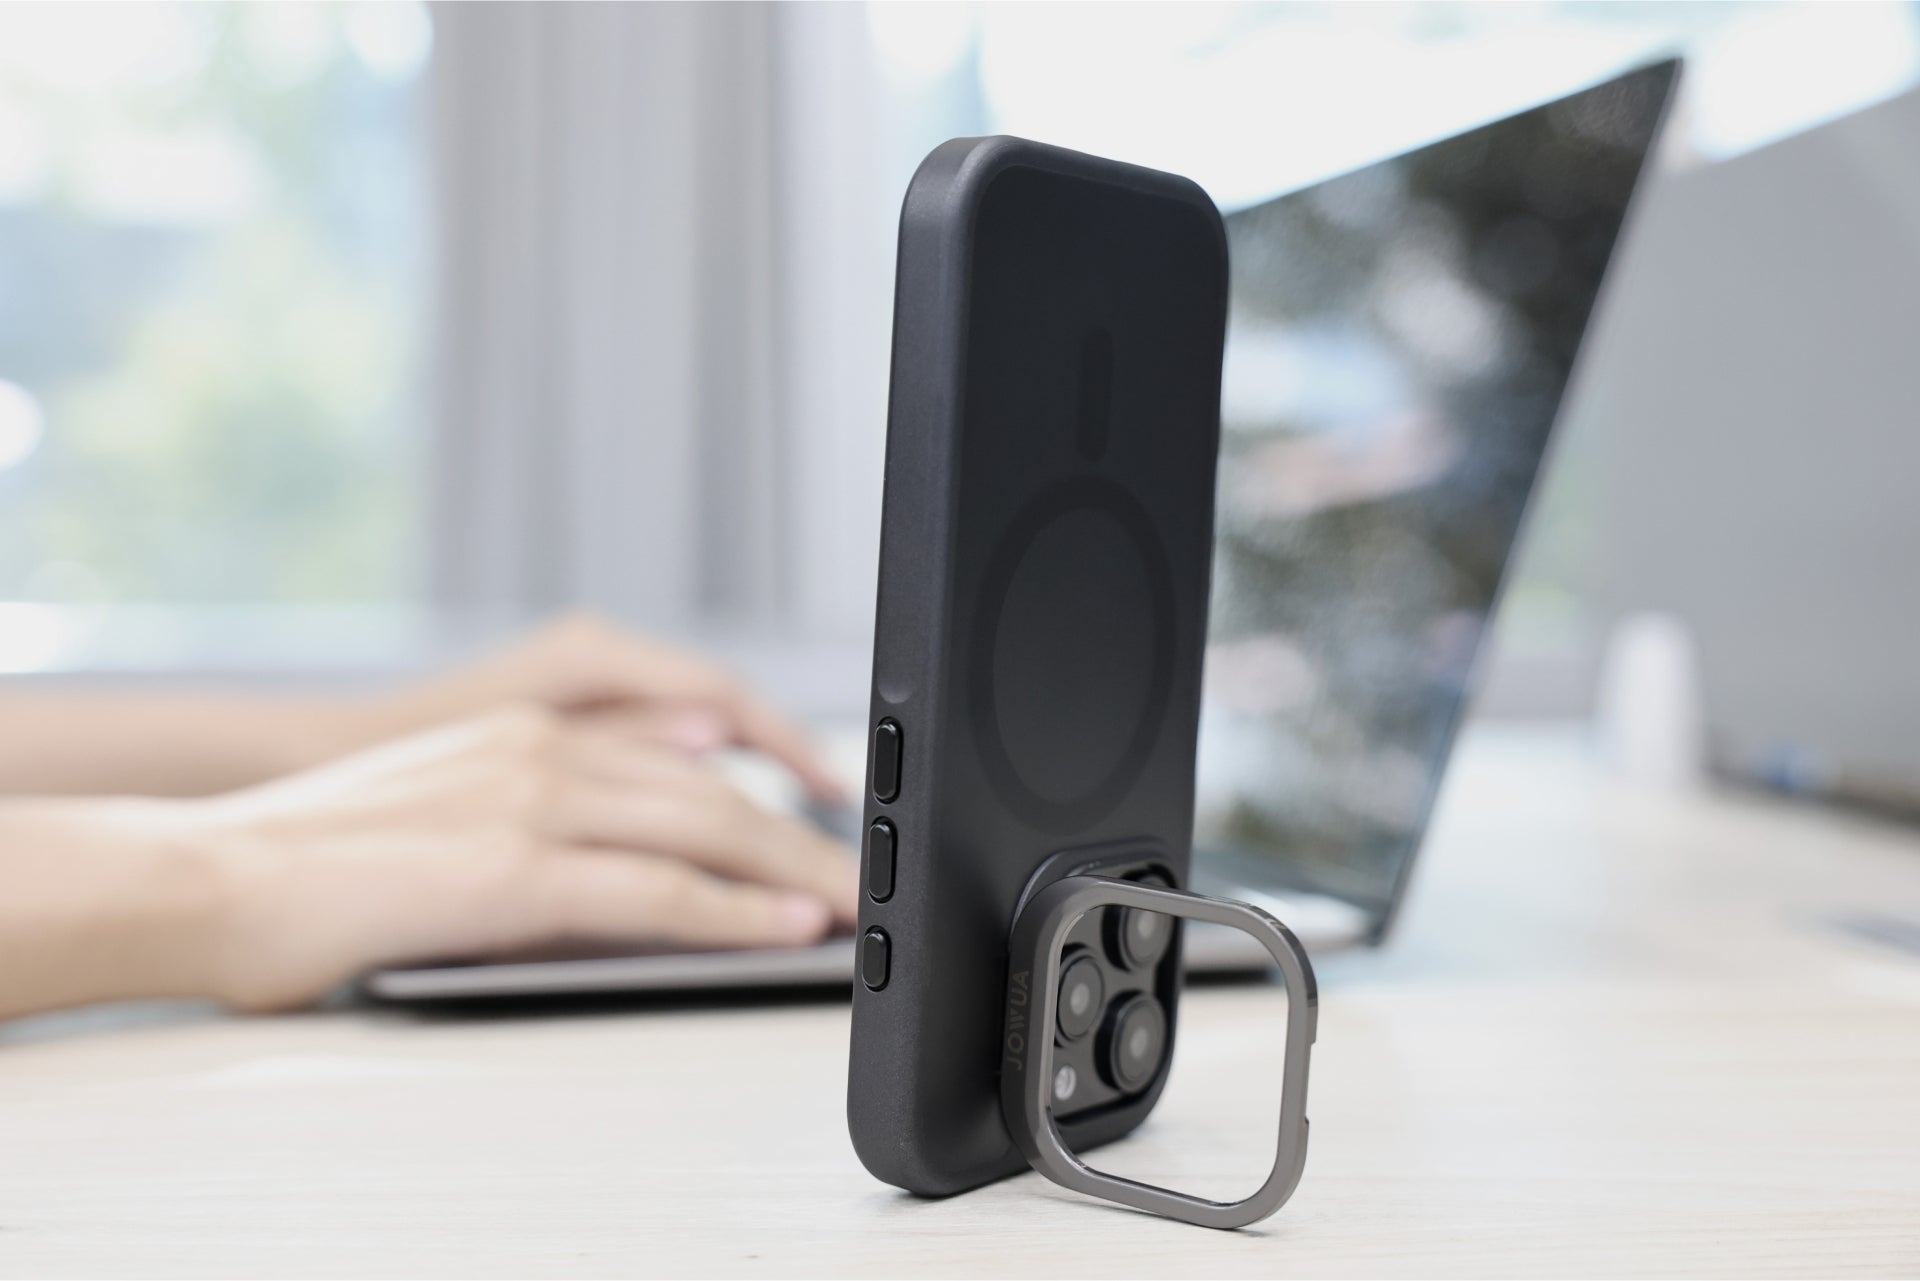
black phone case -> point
(1046, 541)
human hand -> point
(196, 743)
(594, 672)
(519, 827)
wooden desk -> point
(1616, 1036)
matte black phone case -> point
(1046, 541)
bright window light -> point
(212, 224)
(1254, 99)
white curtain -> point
(665, 270)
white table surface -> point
(1617, 1034)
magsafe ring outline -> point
(1080, 493)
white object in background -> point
(1648, 709)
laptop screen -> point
(1398, 343)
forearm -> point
(103, 901)
(100, 743)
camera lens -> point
(1136, 1037)
(1082, 991)
(1138, 938)
(1065, 1082)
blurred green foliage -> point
(212, 287)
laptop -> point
(1399, 341)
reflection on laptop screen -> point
(1398, 343)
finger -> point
(619, 667)
(587, 893)
(693, 731)
(598, 662)
(712, 826)
(709, 703)
(633, 767)
(604, 753)
(757, 725)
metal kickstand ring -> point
(1025, 1084)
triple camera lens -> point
(1099, 982)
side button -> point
(886, 760)
(880, 848)
(875, 954)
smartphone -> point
(1047, 527)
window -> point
(210, 290)
(661, 257)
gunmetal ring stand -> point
(1027, 1071)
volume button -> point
(880, 851)
(886, 760)
(875, 959)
